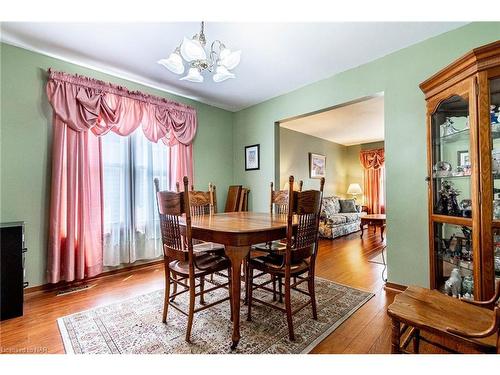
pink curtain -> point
(374, 179)
(84, 110)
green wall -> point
(26, 143)
(294, 160)
(396, 75)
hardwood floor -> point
(343, 260)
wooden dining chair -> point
(296, 260)
(181, 258)
(232, 199)
(278, 204)
(243, 200)
(203, 203)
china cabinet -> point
(463, 153)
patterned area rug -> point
(134, 326)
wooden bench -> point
(474, 325)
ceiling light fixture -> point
(219, 61)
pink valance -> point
(372, 159)
(89, 104)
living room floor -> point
(343, 260)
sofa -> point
(339, 217)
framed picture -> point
(252, 157)
(463, 158)
(317, 165)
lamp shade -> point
(173, 63)
(193, 75)
(191, 50)
(221, 74)
(229, 59)
(354, 189)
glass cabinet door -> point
(495, 144)
(454, 260)
(496, 252)
(494, 120)
(451, 158)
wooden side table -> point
(419, 310)
(375, 220)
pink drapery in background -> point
(374, 179)
(84, 110)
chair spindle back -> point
(302, 243)
(177, 243)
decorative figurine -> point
(453, 246)
(442, 169)
(494, 116)
(497, 265)
(466, 253)
(453, 208)
(467, 286)
(453, 285)
(447, 128)
(447, 203)
(496, 209)
(466, 207)
(495, 166)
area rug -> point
(134, 326)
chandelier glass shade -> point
(220, 60)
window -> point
(131, 222)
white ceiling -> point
(352, 124)
(276, 57)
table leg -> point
(395, 337)
(362, 226)
(382, 228)
(236, 254)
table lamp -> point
(354, 189)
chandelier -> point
(191, 52)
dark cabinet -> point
(12, 251)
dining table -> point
(238, 231)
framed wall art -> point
(317, 165)
(252, 157)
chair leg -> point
(395, 337)
(416, 341)
(288, 307)
(174, 278)
(312, 294)
(280, 288)
(167, 293)
(230, 287)
(245, 272)
(273, 278)
(192, 292)
(249, 292)
(202, 288)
